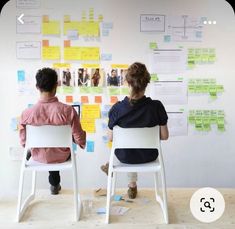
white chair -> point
(45, 137)
(137, 138)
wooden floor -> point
(56, 212)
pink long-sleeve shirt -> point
(52, 112)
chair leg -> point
(34, 176)
(165, 206)
(109, 187)
(76, 197)
(156, 185)
(20, 194)
(114, 179)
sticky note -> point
(106, 56)
(69, 99)
(84, 99)
(122, 66)
(90, 146)
(98, 99)
(61, 65)
(88, 124)
(45, 43)
(154, 77)
(114, 90)
(66, 18)
(21, 75)
(117, 197)
(14, 124)
(45, 18)
(51, 53)
(96, 90)
(51, 28)
(91, 111)
(153, 45)
(67, 43)
(113, 99)
(167, 38)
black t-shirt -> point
(144, 112)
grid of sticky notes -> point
(90, 112)
(204, 119)
(208, 86)
(201, 56)
(50, 52)
(80, 53)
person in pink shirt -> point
(49, 111)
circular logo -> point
(207, 205)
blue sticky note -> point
(105, 139)
(107, 25)
(90, 146)
(21, 75)
(105, 32)
(167, 38)
(30, 105)
(106, 56)
(104, 125)
(117, 197)
(14, 124)
(74, 147)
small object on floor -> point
(105, 168)
(129, 201)
(132, 192)
(101, 211)
(100, 192)
(118, 198)
(55, 189)
(118, 210)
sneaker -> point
(105, 168)
(132, 192)
(55, 189)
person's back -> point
(137, 111)
(49, 111)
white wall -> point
(195, 160)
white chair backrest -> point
(47, 136)
(136, 138)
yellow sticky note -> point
(73, 25)
(91, 111)
(88, 124)
(122, 66)
(90, 65)
(51, 28)
(90, 53)
(51, 53)
(72, 53)
(61, 65)
(109, 144)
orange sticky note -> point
(113, 99)
(69, 99)
(45, 18)
(98, 99)
(84, 99)
(67, 43)
(45, 43)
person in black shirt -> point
(137, 110)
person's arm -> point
(110, 135)
(22, 131)
(79, 135)
(164, 134)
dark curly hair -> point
(138, 78)
(46, 79)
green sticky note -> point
(219, 88)
(206, 123)
(213, 117)
(154, 77)
(220, 124)
(85, 90)
(153, 45)
(213, 92)
(191, 88)
(59, 90)
(67, 90)
(96, 90)
(191, 117)
(124, 91)
(114, 90)
(198, 123)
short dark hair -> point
(46, 79)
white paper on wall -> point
(168, 61)
(169, 92)
(177, 123)
(32, 24)
(28, 4)
(28, 50)
(152, 23)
